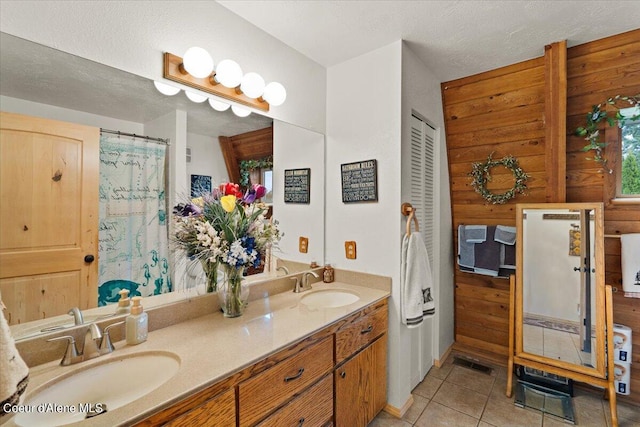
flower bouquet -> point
(226, 230)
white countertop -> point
(212, 347)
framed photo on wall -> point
(200, 184)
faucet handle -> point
(71, 353)
(106, 346)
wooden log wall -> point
(503, 112)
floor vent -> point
(472, 365)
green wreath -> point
(246, 166)
(481, 175)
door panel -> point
(49, 174)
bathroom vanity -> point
(291, 359)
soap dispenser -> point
(123, 302)
(137, 323)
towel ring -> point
(409, 210)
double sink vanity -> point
(315, 358)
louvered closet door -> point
(422, 185)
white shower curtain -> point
(133, 248)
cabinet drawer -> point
(354, 336)
(313, 408)
(217, 412)
(260, 395)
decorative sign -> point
(297, 185)
(360, 181)
(200, 184)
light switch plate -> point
(303, 244)
(350, 249)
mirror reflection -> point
(39, 81)
(559, 310)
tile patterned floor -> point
(457, 396)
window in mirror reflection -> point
(628, 170)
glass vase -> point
(211, 272)
(233, 293)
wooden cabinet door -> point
(217, 412)
(361, 386)
(49, 174)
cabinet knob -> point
(89, 258)
(343, 374)
(293, 377)
(300, 422)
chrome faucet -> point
(77, 316)
(283, 268)
(96, 343)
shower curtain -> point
(133, 243)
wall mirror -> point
(40, 81)
(560, 286)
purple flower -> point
(249, 196)
(260, 190)
(187, 209)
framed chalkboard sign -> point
(360, 181)
(297, 185)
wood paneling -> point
(503, 112)
(254, 145)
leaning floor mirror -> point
(560, 309)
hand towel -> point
(465, 249)
(475, 233)
(487, 255)
(630, 256)
(505, 234)
(14, 373)
(416, 287)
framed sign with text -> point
(359, 181)
(297, 185)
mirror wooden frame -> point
(602, 374)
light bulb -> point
(252, 85)
(198, 62)
(166, 89)
(195, 97)
(228, 73)
(218, 105)
(274, 93)
(240, 111)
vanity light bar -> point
(171, 71)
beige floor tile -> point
(441, 372)
(472, 379)
(499, 390)
(551, 421)
(428, 387)
(485, 424)
(461, 399)
(385, 420)
(437, 415)
(627, 411)
(503, 413)
(419, 403)
(589, 408)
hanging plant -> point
(246, 166)
(591, 133)
(481, 176)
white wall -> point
(363, 123)
(21, 106)
(298, 148)
(206, 159)
(132, 35)
(421, 93)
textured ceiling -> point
(40, 74)
(453, 38)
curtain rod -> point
(150, 138)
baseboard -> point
(399, 412)
(438, 362)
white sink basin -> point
(113, 384)
(331, 298)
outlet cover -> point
(350, 249)
(303, 244)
